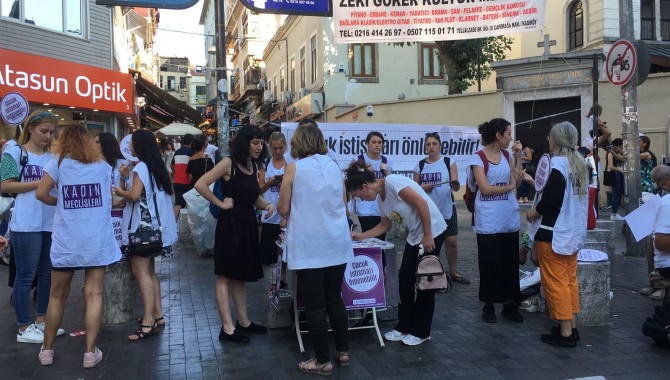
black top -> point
(550, 204)
(197, 167)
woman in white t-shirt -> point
(151, 208)
(402, 200)
(318, 245)
(84, 194)
(31, 223)
(496, 220)
(111, 153)
(270, 179)
(438, 180)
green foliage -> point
(460, 60)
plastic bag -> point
(201, 222)
(528, 279)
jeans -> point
(617, 190)
(31, 254)
(321, 290)
(416, 308)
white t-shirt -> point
(370, 208)
(210, 151)
(272, 194)
(31, 215)
(318, 232)
(662, 226)
(168, 224)
(494, 213)
(83, 235)
(437, 173)
(405, 214)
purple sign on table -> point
(363, 283)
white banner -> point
(363, 21)
(403, 143)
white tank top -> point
(272, 194)
(82, 234)
(318, 232)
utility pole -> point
(630, 131)
(223, 128)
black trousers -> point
(321, 290)
(498, 258)
(416, 308)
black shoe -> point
(559, 340)
(252, 328)
(556, 330)
(489, 314)
(237, 336)
(511, 312)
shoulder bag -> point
(430, 275)
(6, 199)
(608, 175)
(142, 242)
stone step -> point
(603, 233)
(597, 245)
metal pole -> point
(223, 129)
(596, 131)
(630, 132)
(479, 65)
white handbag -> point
(6, 204)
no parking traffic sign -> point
(620, 63)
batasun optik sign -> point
(164, 4)
(47, 80)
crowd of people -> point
(60, 180)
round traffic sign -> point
(621, 62)
(542, 172)
(14, 108)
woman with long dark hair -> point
(149, 181)
(648, 161)
(111, 153)
(236, 249)
(84, 193)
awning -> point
(660, 58)
(162, 106)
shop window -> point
(648, 19)
(313, 57)
(430, 62)
(302, 67)
(665, 20)
(362, 59)
(45, 14)
(576, 26)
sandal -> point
(343, 358)
(319, 369)
(155, 324)
(460, 279)
(141, 334)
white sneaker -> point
(411, 340)
(616, 217)
(40, 326)
(30, 335)
(658, 295)
(394, 336)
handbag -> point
(430, 275)
(143, 242)
(608, 175)
(6, 199)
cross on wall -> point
(547, 44)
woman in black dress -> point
(236, 253)
(199, 163)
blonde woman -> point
(559, 231)
(21, 170)
(270, 180)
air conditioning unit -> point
(267, 96)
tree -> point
(459, 59)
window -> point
(200, 90)
(292, 76)
(648, 18)
(274, 88)
(61, 15)
(282, 80)
(182, 83)
(160, 81)
(665, 20)
(302, 67)
(312, 44)
(575, 26)
(171, 83)
(362, 57)
(430, 62)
